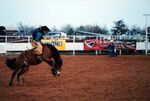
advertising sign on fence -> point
(93, 44)
(58, 43)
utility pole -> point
(146, 40)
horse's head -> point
(51, 52)
(56, 70)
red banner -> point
(93, 44)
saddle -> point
(37, 46)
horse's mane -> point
(55, 55)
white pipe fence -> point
(73, 43)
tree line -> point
(119, 28)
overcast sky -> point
(75, 12)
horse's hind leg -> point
(12, 77)
(23, 70)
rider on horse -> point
(37, 35)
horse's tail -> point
(11, 63)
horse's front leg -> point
(49, 61)
(22, 71)
(12, 77)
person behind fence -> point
(111, 48)
(37, 35)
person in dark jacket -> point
(111, 48)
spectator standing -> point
(111, 48)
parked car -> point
(55, 35)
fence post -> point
(5, 39)
(96, 43)
(100, 52)
(6, 43)
(73, 42)
(120, 52)
(28, 39)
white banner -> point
(142, 46)
(2, 48)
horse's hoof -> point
(19, 84)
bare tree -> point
(68, 29)
(137, 30)
(93, 29)
(54, 29)
(25, 29)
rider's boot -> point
(39, 58)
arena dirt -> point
(83, 78)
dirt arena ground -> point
(83, 78)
